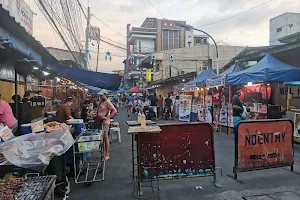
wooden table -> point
(136, 131)
(136, 123)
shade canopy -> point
(135, 89)
(91, 78)
(122, 91)
(267, 69)
(201, 79)
(220, 80)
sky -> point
(247, 23)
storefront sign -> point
(21, 12)
(216, 81)
(185, 103)
(264, 144)
(297, 125)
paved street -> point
(276, 184)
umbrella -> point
(136, 89)
(121, 91)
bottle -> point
(139, 117)
(143, 121)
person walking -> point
(130, 102)
(153, 103)
(106, 111)
(160, 105)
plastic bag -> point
(33, 151)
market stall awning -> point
(91, 78)
(135, 89)
(201, 79)
(292, 83)
(220, 79)
(267, 69)
(121, 91)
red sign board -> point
(179, 150)
(264, 144)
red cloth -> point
(136, 89)
(217, 97)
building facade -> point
(285, 28)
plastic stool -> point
(115, 129)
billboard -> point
(264, 144)
(21, 12)
(179, 151)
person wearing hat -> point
(63, 112)
(106, 111)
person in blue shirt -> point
(130, 102)
(115, 101)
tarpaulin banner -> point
(263, 144)
(180, 150)
(216, 81)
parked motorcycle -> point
(149, 113)
(167, 113)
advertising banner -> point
(216, 81)
(224, 117)
(264, 144)
(204, 113)
(184, 150)
(297, 125)
(185, 103)
(21, 12)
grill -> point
(37, 188)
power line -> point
(236, 14)
(112, 44)
(156, 9)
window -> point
(140, 46)
(279, 29)
(157, 68)
(204, 41)
(170, 39)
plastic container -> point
(78, 124)
(26, 129)
(143, 121)
(139, 117)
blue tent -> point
(121, 91)
(267, 69)
(200, 80)
(91, 78)
(219, 80)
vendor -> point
(63, 112)
(75, 106)
(217, 104)
(6, 116)
(26, 97)
(237, 108)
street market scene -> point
(148, 99)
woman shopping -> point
(106, 111)
(6, 116)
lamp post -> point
(188, 27)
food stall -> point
(201, 101)
(257, 83)
(225, 118)
(292, 106)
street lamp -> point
(188, 27)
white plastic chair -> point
(115, 130)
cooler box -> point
(78, 124)
(26, 129)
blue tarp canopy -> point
(292, 83)
(219, 80)
(91, 88)
(267, 69)
(121, 91)
(201, 79)
(91, 78)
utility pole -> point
(87, 37)
(97, 56)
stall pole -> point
(204, 99)
(16, 93)
(267, 98)
(288, 98)
(229, 103)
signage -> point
(37, 127)
(264, 144)
(297, 125)
(226, 119)
(21, 12)
(95, 33)
(179, 151)
(204, 113)
(148, 75)
(185, 103)
(216, 81)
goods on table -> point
(54, 126)
(5, 134)
(10, 186)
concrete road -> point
(265, 184)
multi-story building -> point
(155, 35)
(285, 28)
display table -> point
(135, 131)
(136, 123)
